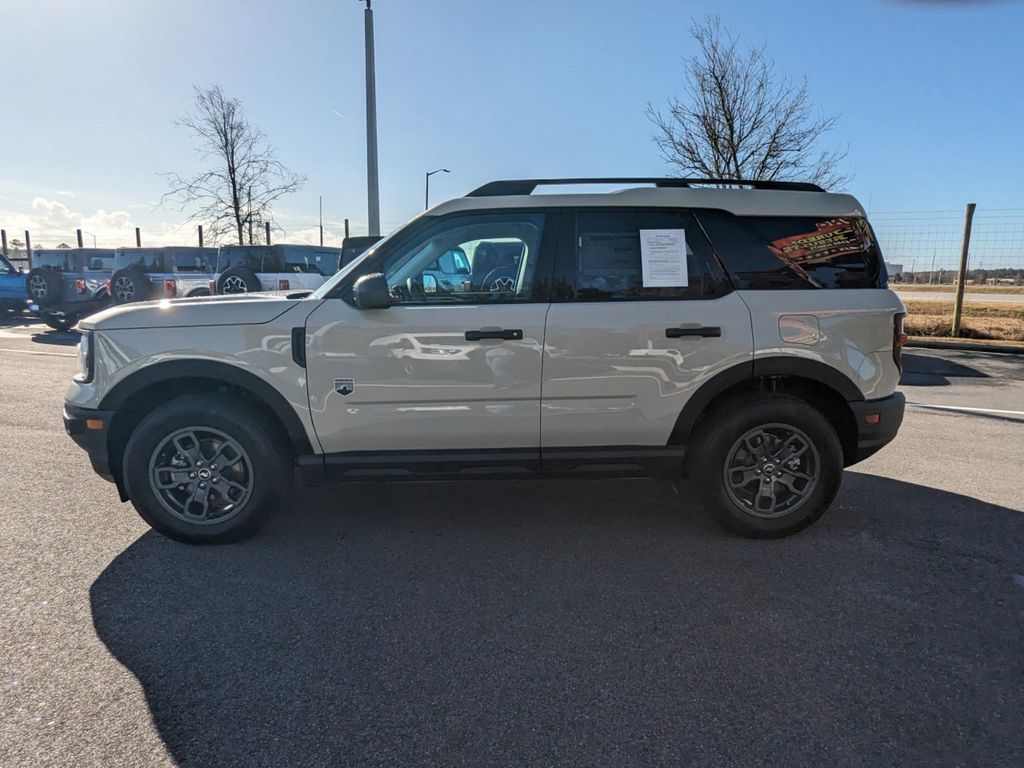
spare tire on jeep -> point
(238, 280)
(130, 284)
(44, 286)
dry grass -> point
(980, 320)
(910, 288)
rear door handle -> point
(706, 331)
(510, 334)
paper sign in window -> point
(663, 258)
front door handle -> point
(705, 331)
(509, 334)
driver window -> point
(469, 259)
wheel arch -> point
(137, 395)
(821, 386)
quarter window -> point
(785, 252)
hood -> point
(235, 309)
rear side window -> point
(150, 261)
(193, 261)
(323, 261)
(53, 260)
(98, 263)
(786, 252)
(637, 255)
(258, 258)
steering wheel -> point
(500, 280)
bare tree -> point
(236, 194)
(740, 120)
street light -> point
(90, 234)
(426, 192)
(372, 184)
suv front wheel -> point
(203, 470)
(767, 466)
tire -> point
(238, 280)
(257, 473)
(130, 284)
(739, 498)
(44, 286)
(59, 323)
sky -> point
(929, 96)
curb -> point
(981, 346)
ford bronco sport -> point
(142, 274)
(745, 336)
(66, 284)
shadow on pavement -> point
(58, 338)
(935, 371)
(580, 623)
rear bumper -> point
(90, 429)
(886, 415)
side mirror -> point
(429, 284)
(371, 292)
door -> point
(453, 364)
(625, 351)
(12, 285)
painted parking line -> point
(35, 352)
(965, 409)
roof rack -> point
(527, 186)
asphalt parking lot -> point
(530, 623)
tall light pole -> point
(90, 234)
(372, 191)
(426, 191)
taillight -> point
(108, 286)
(899, 338)
(79, 285)
(171, 287)
(283, 285)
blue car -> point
(12, 287)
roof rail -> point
(527, 186)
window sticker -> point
(663, 258)
(832, 239)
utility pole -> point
(3, 236)
(426, 191)
(200, 235)
(346, 227)
(321, 220)
(138, 238)
(962, 277)
(372, 190)
(249, 215)
(28, 248)
(266, 226)
(78, 232)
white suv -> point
(744, 336)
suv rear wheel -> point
(767, 466)
(203, 470)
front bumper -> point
(877, 421)
(90, 429)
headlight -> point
(85, 357)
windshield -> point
(340, 275)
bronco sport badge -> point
(344, 386)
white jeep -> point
(745, 336)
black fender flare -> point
(799, 367)
(215, 371)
